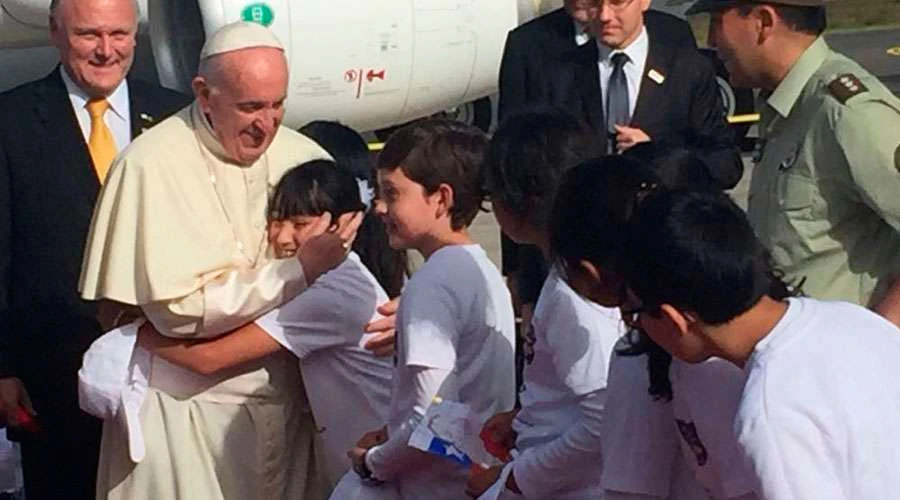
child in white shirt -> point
(348, 388)
(822, 395)
(455, 325)
(557, 430)
(645, 428)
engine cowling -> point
(368, 64)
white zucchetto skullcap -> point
(238, 36)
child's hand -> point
(481, 480)
(383, 344)
(372, 438)
(498, 433)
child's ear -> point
(445, 191)
(590, 270)
(681, 321)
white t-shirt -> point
(347, 386)
(641, 456)
(704, 403)
(455, 314)
(640, 447)
(567, 352)
(820, 413)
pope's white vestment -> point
(179, 230)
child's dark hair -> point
(314, 188)
(676, 167)
(528, 156)
(349, 149)
(439, 151)
(320, 186)
(696, 251)
(593, 205)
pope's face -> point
(244, 100)
(96, 40)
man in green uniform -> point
(825, 193)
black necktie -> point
(616, 99)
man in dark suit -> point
(533, 52)
(532, 46)
(57, 138)
(633, 86)
(549, 61)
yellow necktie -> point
(101, 143)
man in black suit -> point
(533, 52)
(54, 153)
(532, 46)
(634, 86)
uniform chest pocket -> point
(795, 192)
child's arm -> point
(206, 357)
(388, 459)
(542, 471)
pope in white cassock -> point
(179, 230)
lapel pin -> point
(656, 76)
(146, 117)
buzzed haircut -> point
(811, 20)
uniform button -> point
(240, 246)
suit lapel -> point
(63, 140)
(653, 84)
(565, 29)
(138, 108)
(587, 81)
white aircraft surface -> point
(370, 64)
(367, 63)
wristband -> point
(363, 471)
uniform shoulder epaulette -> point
(845, 86)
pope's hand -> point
(384, 342)
(321, 246)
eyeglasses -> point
(614, 4)
(597, 5)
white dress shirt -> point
(634, 69)
(117, 117)
(581, 35)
